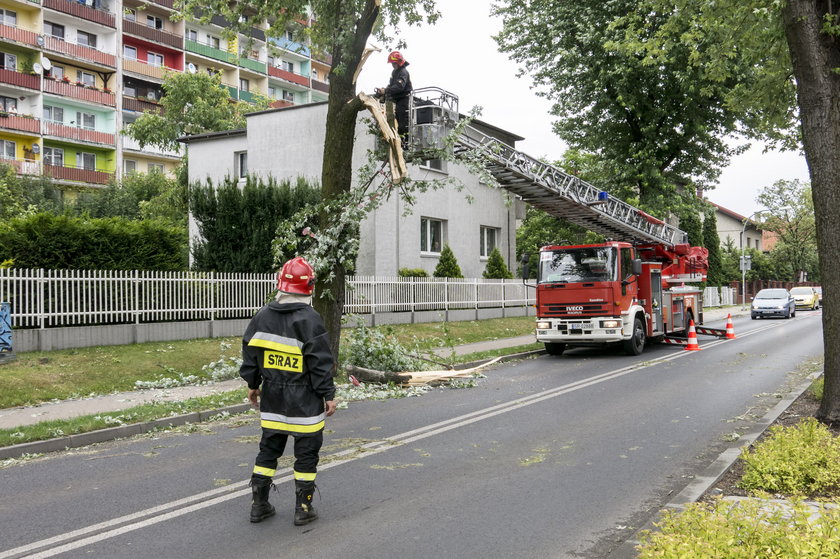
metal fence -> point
(57, 298)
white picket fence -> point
(55, 298)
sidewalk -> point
(11, 418)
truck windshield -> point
(577, 264)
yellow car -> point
(806, 298)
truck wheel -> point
(636, 343)
(555, 349)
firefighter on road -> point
(288, 365)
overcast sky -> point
(459, 55)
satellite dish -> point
(38, 68)
(36, 148)
(45, 62)
(40, 40)
(191, 68)
(151, 96)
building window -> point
(8, 17)
(130, 52)
(431, 235)
(154, 22)
(272, 92)
(56, 72)
(192, 35)
(214, 42)
(86, 161)
(435, 164)
(240, 164)
(8, 149)
(129, 90)
(86, 78)
(54, 156)
(244, 84)
(270, 60)
(130, 14)
(156, 168)
(85, 120)
(289, 35)
(288, 66)
(8, 104)
(288, 96)
(86, 39)
(154, 59)
(314, 74)
(54, 29)
(54, 114)
(489, 238)
(8, 61)
(129, 166)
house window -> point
(8, 104)
(8, 17)
(214, 42)
(436, 164)
(431, 235)
(129, 166)
(86, 39)
(289, 36)
(154, 22)
(57, 72)
(86, 161)
(54, 156)
(130, 14)
(314, 74)
(85, 120)
(244, 84)
(130, 52)
(8, 61)
(156, 168)
(272, 92)
(192, 35)
(288, 96)
(240, 163)
(289, 66)
(86, 78)
(54, 114)
(8, 149)
(489, 238)
(154, 59)
(54, 29)
(129, 91)
(271, 60)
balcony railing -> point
(292, 46)
(80, 134)
(288, 76)
(132, 144)
(208, 51)
(78, 175)
(22, 123)
(165, 3)
(321, 86)
(279, 103)
(56, 44)
(19, 35)
(80, 10)
(156, 35)
(23, 166)
(20, 79)
(254, 65)
(144, 68)
(140, 105)
(58, 87)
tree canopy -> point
(790, 217)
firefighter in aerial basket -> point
(288, 365)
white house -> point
(288, 142)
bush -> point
(799, 460)
(45, 240)
(413, 273)
(746, 530)
(373, 348)
(496, 267)
(447, 266)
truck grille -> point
(573, 310)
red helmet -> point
(396, 57)
(296, 276)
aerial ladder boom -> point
(544, 186)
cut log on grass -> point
(380, 377)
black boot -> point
(304, 511)
(260, 507)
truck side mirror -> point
(637, 267)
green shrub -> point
(496, 267)
(378, 349)
(413, 273)
(799, 460)
(447, 266)
(749, 529)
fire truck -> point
(642, 285)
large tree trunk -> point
(815, 57)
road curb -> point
(709, 476)
(111, 433)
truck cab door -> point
(656, 301)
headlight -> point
(610, 324)
(543, 325)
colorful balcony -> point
(9, 121)
(280, 103)
(292, 46)
(208, 51)
(288, 76)
(19, 35)
(23, 166)
(79, 51)
(78, 175)
(80, 134)
(19, 79)
(67, 89)
(156, 35)
(165, 3)
(140, 105)
(80, 10)
(145, 69)
(254, 65)
(321, 86)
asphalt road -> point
(547, 457)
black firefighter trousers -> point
(307, 448)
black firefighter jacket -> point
(399, 88)
(286, 350)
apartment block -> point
(74, 74)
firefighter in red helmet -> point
(288, 365)
(399, 91)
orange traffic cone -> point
(692, 338)
(730, 328)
